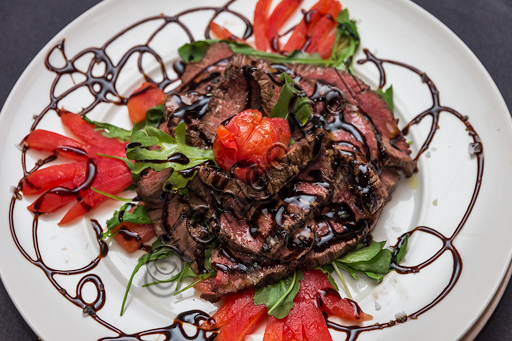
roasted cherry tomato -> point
(147, 96)
(250, 140)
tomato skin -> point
(250, 139)
(137, 234)
(237, 317)
(260, 24)
(112, 176)
(147, 96)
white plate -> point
(437, 196)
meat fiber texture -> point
(316, 203)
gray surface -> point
(485, 26)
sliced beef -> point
(214, 62)
(314, 204)
(233, 95)
(237, 271)
(396, 152)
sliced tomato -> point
(306, 320)
(237, 317)
(324, 48)
(324, 26)
(300, 33)
(53, 176)
(278, 18)
(51, 201)
(260, 24)
(223, 33)
(133, 236)
(87, 133)
(55, 143)
(147, 96)
(112, 177)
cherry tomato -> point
(249, 140)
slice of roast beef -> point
(214, 62)
(233, 95)
(396, 152)
(237, 271)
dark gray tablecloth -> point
(27, 25)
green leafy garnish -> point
(278, 298)
(138, 216)
(111, 196)
(402, 250)
(159, 251)
(109, 130)
(164, 157)
(347, 41)
(195, 51)
(154, 117)
(387, 96)
(291, 95)
(373, 260)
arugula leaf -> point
(347, 41)
(160, 159)
(111, 196)
(378, 264)
(328, 269)
(191, 53)
(187, 272)
(109, 130)
(363, 254)
(292, 95)
(138, 216)
(159, 252)
(387, 96)
(402, 250)
(155, 116)
(195, 51)
(278, 298)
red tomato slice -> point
(55, 143)
(325, 25)
(133, 236)
(53, 176)
(86, 132)
(260, 24)
(112, 177)
(50, 202)
(147, 96)
(237, 317)
(223, 33)
(249, 138)
(279, 17)
(299, 34)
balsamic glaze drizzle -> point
(104, 90)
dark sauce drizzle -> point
(104, 90)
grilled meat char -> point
(318, 202)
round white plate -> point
(436, 197)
